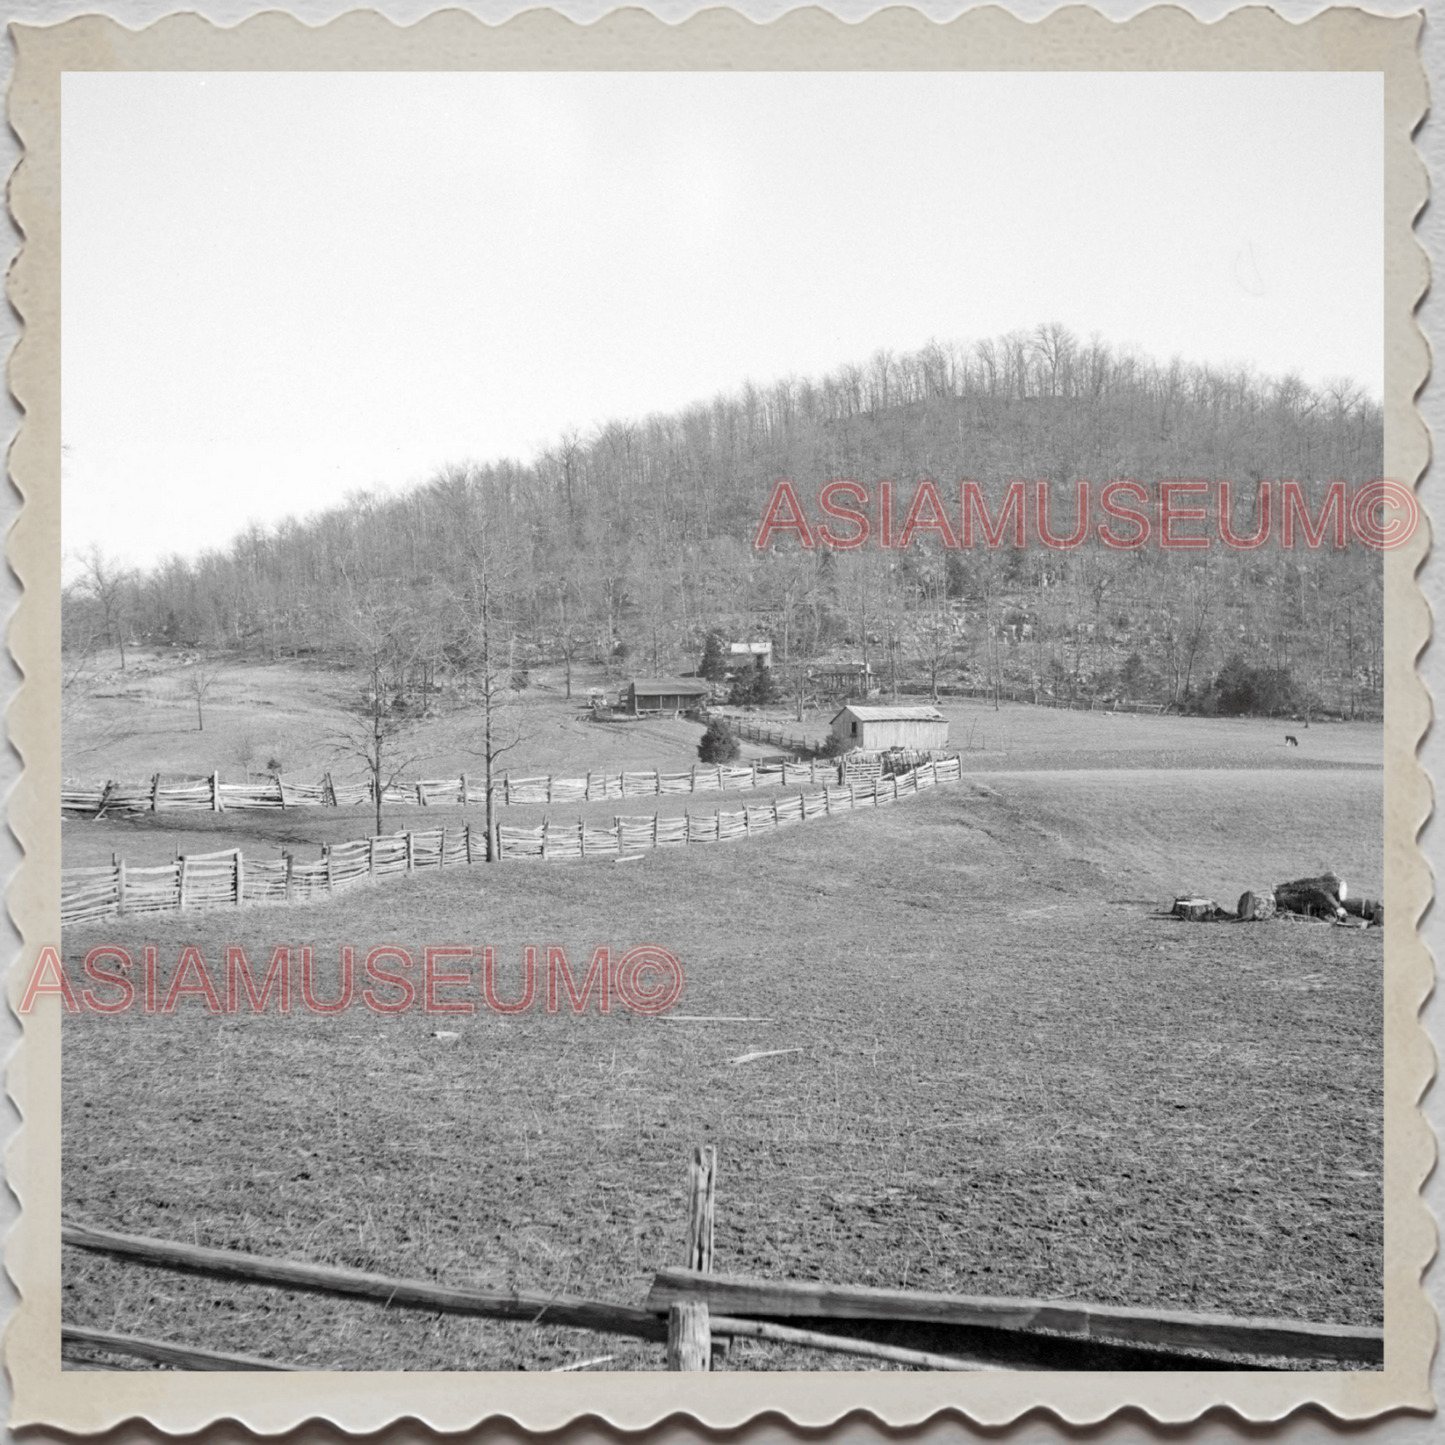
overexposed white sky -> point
(278, 288)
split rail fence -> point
(228, 879)
(212, 795)
(697, 1313)
(773, 737)
(584, 840)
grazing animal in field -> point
(1291, 741)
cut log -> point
(1362, 907)
(1313, 897)
(1256, 907)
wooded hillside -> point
(631, 544)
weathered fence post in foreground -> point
(701, 1206)
(689, 1332)
(689, 1340)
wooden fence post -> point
(582, 837)
(410, 857)
(371, 857)
(328, 792)
(689, 1337)
(280, 790)
(654, 830)
(467, 836)
(420, 794)
(183, 860)
(442, 857)
(507, 789)
(701, 1197)
(119, 882)
(689, 1333)
(155, 790)
(240, 877)
(775, 812)
(755, 772)
(330, 874)
(216, 804)
(290, 867)
(466, 799)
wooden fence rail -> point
(228, 879)
(581, 839)
(696, 1313)
(544, 1309)
(212, 795)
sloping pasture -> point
(1013, 1077)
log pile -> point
(1325, 897)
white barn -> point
(876, 729)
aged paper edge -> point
(990, 39)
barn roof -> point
(890, 714)
(670, 686)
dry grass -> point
(131, 725)
(1014, 1079)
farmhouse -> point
(663, 694)
(875, 729)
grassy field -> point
(128, 726)
(131, 725)
(1012, 1077)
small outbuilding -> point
(876, 729)
(664, 694)
(762, 651)
(846, 677)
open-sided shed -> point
(664, 694)
(876, 729)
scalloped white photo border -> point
(1072, 38)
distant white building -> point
(763, 651)
(876, 729)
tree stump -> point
(1196, 910)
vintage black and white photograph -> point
(723, 722)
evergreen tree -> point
(714, 665)
(718, 744)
